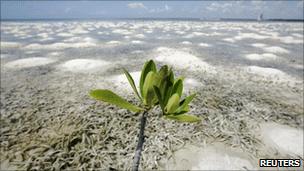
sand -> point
(213, 157)
(29, 62)
(264, 56)
(84, 65)
(182, 60)
(284, 138)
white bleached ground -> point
(216, 157)
(121, 81)
(84, 65)
(137, 42)
(266, 72)
(191, 83)
(29, 62)
(10, 44)
(204, 45)
(264, 56)
(276, 49)
(113, 42)
(182, 60)
(58, 46)
(258, 45)
(186, 43)
(284, 138)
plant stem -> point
(141, 140)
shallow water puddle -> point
(214, 157)
(284, 138)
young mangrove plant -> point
(156, 87)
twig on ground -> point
(141, 139)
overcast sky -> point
(151, 9)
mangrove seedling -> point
(156, 87)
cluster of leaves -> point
(155, 87)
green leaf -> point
(173, 103)
(131, 81)
(110, 97)
(160, 99)
(178, 87)
(148, 92)
(171, 76)
(167, 91)
(164, 84)
(163, 71)
(184, 118)
(149, 66)
(182, 111)
(183, 106)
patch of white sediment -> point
(182, 60)
(259, 45)
(57, 46)
(204, 45)
(231, 40)
(271, 74)
(186, 43)
(113, 42)
(213, 157)
(10, 44)
(140, 36)
(284, 138)
(137, 42)
(290, 40)
(242, 36)
(84, 65)
(264, 56)
(265, 72)
(191, 83)
(275, 49)
(121, 81)
(29, 62)
(65, 34)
